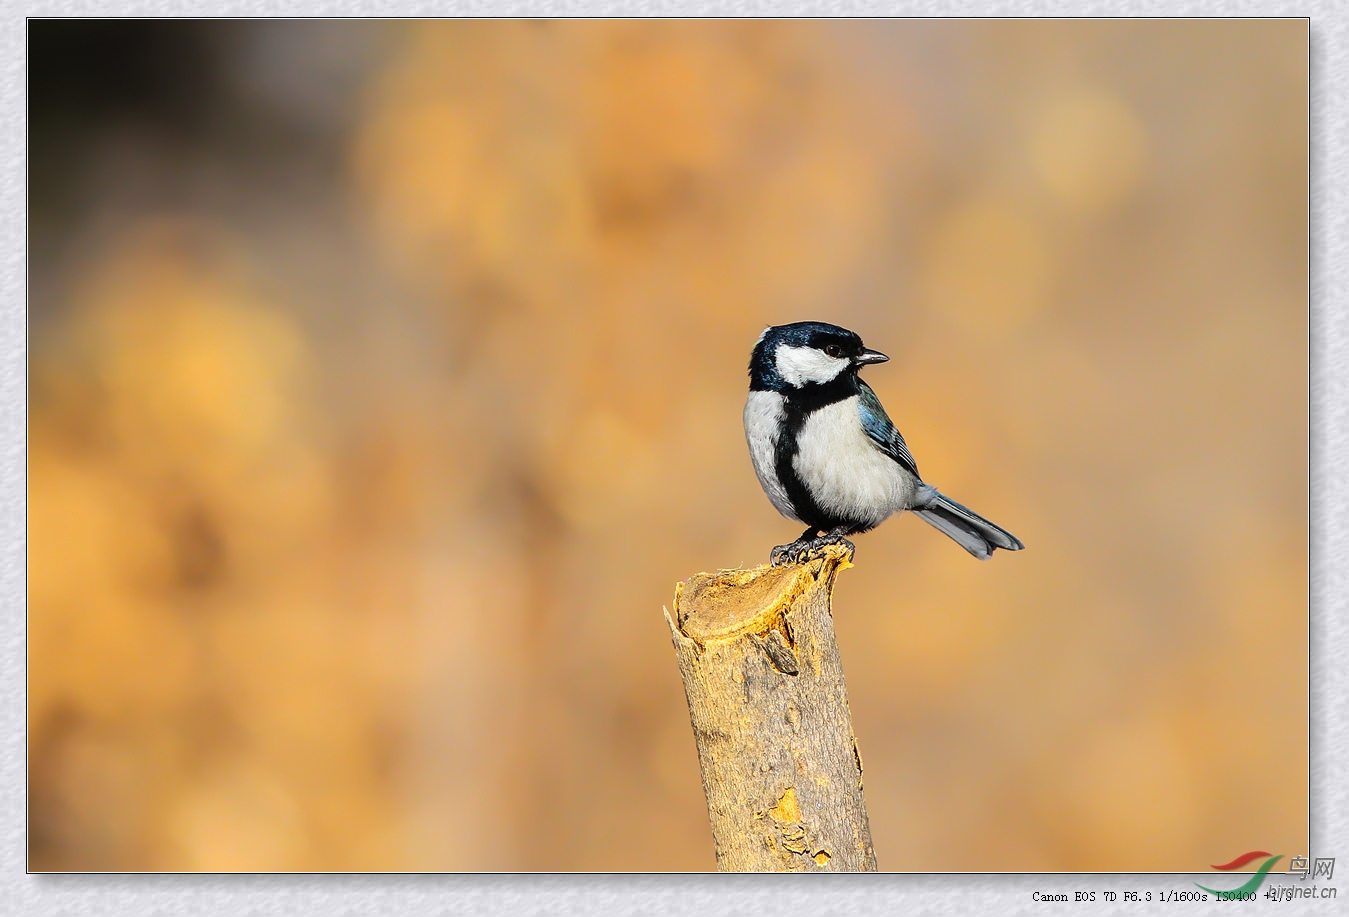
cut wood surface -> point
(764, 683)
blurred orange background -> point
(385, 377)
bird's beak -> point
(871, 356)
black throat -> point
(799, 404)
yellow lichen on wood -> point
(786, 810)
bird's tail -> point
(965, 527)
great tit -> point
(827, 454)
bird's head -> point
(794, 356)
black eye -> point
(833, 350)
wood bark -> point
(764, 682)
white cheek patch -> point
(799, 365)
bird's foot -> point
(804, 548)
(837, 538)
(787, 554)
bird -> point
(827, 454)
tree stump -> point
(779, 761)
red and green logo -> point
(1253, 885)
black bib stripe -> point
(798, 406)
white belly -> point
(845, 472)
(763, 419)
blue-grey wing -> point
(882, 432)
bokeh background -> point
(385, 377)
